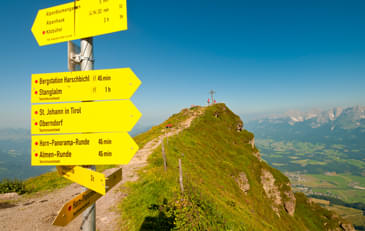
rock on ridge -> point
(242, 182)
(271, 190)
(286, 201)
(290, 203)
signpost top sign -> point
(79, 19)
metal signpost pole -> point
(87, 63)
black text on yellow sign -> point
(77, 205)
(79, 19)
(100, 116)
(83, 149)
(106, 84)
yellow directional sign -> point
(86, 177)
(79, 19)
(84, 85)
(83, 149)
(97, 17)
(100, 116)
(77, 205)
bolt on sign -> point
(79, 19)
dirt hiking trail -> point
(37, 212)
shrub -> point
(7, 186)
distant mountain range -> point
(334, 125)
(345, 118)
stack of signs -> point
(67, 131)
(82, 117)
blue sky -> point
(259, 56)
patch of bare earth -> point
(37, 212)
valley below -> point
(323, 156)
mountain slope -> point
(226, 184)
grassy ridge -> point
(213, 154)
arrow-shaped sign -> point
(99, 116)
(83, 149)
(77, 205)
(79, 19)
(86, 177)
(84, 85)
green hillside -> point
(226, 184)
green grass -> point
(309, 154)
(8, 186)
(314, 216)
(45, 182)
(158, 130)
(213, 154)
(307, 162)
(339, 185)
(355, 216)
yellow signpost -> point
(83, 149)
(84, 176)
(100, 116)
(104, 116)
(84, 85)
(77, 205)
(79, 19)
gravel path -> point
(38, 211)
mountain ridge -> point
(226, 184)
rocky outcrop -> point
(347, 227)
(258, 155)
(239, 127)
(271, 190)
(252, 142)
(290, 202)
(242, 182)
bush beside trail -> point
(8, 186)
